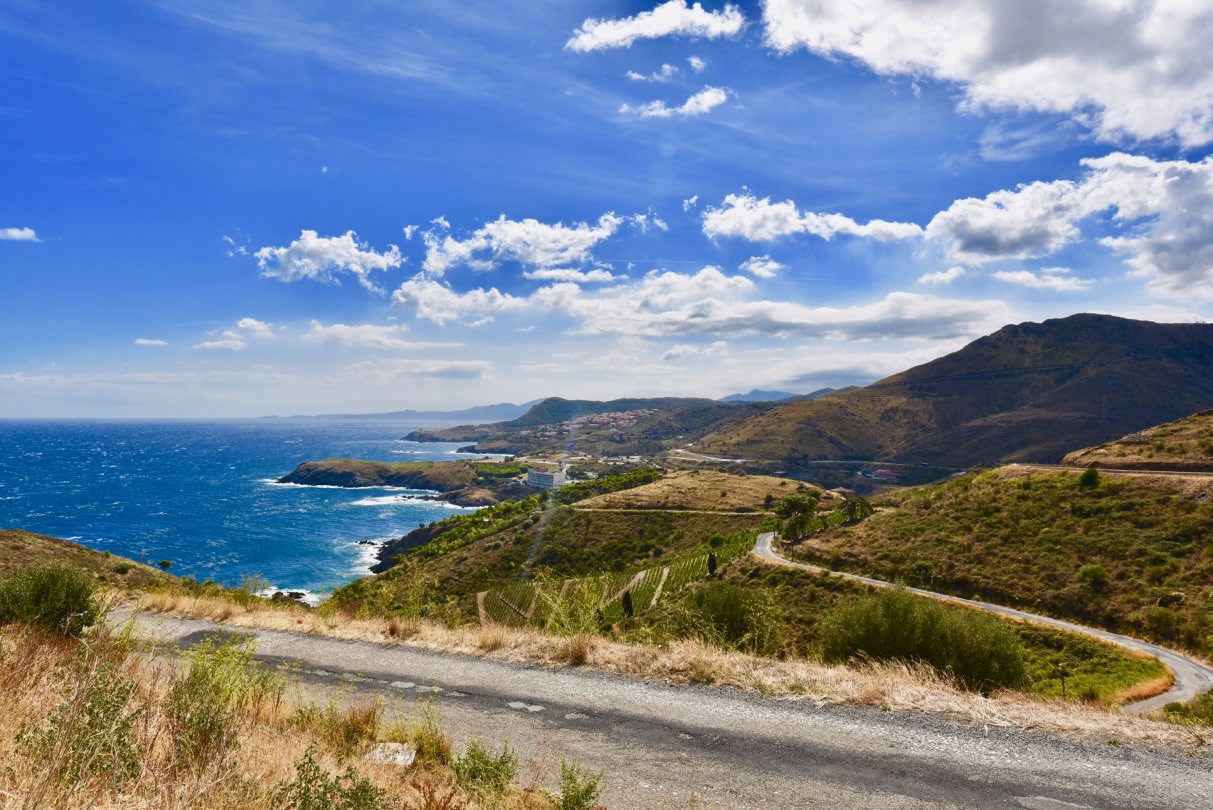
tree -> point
(797, 512)
(856, 508)
(629, 609)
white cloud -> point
(706, 100)
(1057, 279)
(690, 202)
(760, 220)
(234, 249)
(636, 77)
(684, 351)
(597, 276)
(942, 276)
(529, 242)
(440, 304)
(1127, 69)
(150, 342)
(236, 338)
(321, 258)
(761, 266)
(672, 18)
(365, 335)
(18, 235)
(697, 64)
(1163, 208)
(409, 231)
(394, 369)
(709, 302)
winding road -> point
(1192, 677)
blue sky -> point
(245, 208)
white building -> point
(546, 479)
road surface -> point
(1192, 677)
(671, 746)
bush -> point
(58, 600)
(206, 705)
(1089, 478)
(91, 733)
(1095, 576)
(482, 772)
(579, 789)
(727, 616)
(980, 651)
(314, 788)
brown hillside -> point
(1028, 392)
(1185, 444)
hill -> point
(617, 427)
(20, 549)
(1129, 552)
(467, 483)
(1185, 444)
(1028, 392)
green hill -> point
(1131, 553)
(1185, 444)
(1029, 392)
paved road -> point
(664, 746)
(1192, 677)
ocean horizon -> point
(202, 494)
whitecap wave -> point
(309, 598)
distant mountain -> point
(757, 395)
(617, 427)
(500, 412)
(1028, 392)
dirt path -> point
(665, 746)
(1192, 676)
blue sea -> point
(202, 494)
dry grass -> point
(45, 678)
(893, 686)
(706, 491)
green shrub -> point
(727, 616)
(91, 733)
(223, 685)
(893, 624)
(484, 773)
(346, 730)
(314, 788)
(58, 600)
(428, 736)
(1089, 478)
(579, 788)
(1095, 576)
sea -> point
(203, 496)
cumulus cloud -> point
(690, 202)
(528, 242)
(365, 335)
(697, 64)
(761, 266)
(1164, 210)
(760, 220)
(706, 100)
(664, 303)
(943, 276)
(1057, 279)
(598, 276)
(150, 342)
(663, 74)
(1126, 69)
(237, 337)
(439, 303)
(18, 235)
(233, 247)
(672, 18)
(322, 258)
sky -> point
(229, 208)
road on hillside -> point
(673, 746)
(1192, 677)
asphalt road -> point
(1192, 677)
(671, 746)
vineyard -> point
(606, 597)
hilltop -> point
(1028, 392)
(1185, 444)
